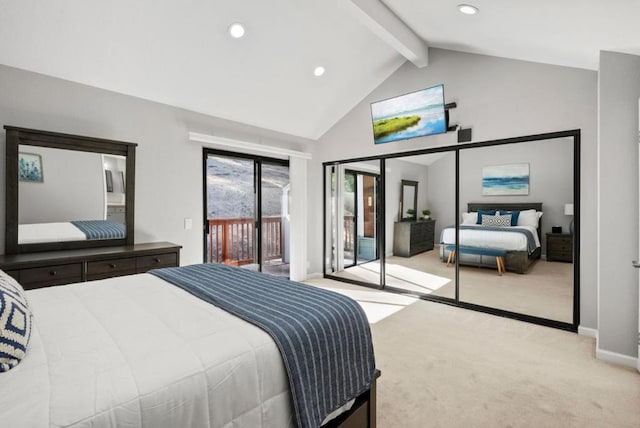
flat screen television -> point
(412, 115)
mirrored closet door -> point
(491, 226)
(420, 202)
(516, 228)
(352, 221)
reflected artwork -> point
(505, 180)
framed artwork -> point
(30, 167)
(508, 180)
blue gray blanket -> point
(531, 242)
(100, 229)
(324, 337)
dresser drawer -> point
(560, 245)
(145, 263)
(50, 275)
(108, 268)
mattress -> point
(167, 359)
(478, 236)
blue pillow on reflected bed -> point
(15, 323)
(514, 216)
(484, 212)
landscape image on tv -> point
(412, 115)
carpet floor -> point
(444, 366)
(545, 291)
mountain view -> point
(230, 188)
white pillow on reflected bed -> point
(529, 218)
(470, 218)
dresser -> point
(413, 237)
(37, 270)
(560, 247)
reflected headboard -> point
(505, 206)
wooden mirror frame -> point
(17, 136)
(414, 184)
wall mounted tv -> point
(412, 115)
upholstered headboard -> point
(500, 206)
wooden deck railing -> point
(232, 240)
(348, 233)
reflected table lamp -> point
(568, 210)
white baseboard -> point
(313, 275)
(586, 331)
(614, 357)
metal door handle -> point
(635, 264)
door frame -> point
(356, 212)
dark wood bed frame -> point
(515, 261)
(363, 412)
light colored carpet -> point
(444, 366)
(545, 291)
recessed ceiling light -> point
(318, 71)
(467, 9)
(236, 30)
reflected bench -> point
(494, 252)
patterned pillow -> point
(497, 220)
(15, 323)
(482, 213)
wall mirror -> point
(67, 191)
(408, 200)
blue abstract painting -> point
(510, 179)
(30, 167)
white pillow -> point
(529, 218)
(470, 218)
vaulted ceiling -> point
(179, 52)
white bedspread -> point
(491, 239)
(49, 232)
(166, 359)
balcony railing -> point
(348, 233)
(232, 240)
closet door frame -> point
(574, 134)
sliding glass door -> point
(246, 202)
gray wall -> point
(498, 98)
(72, 188)
(168, 166)
(619, 89)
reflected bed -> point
(70, 231)
(522, 242)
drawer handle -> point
(157, 260)
(53, 273)
(113, 265)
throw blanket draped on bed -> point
(100, 229)
(531, 242)
(324, 337)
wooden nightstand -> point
(560, 247)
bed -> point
(80, 230)
(522, 246)
(141, 351)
